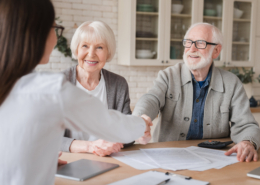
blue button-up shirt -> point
(200, 91)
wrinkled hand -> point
(147, 134)
(102, 148)
(245, 151)
(61, 162)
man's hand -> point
(245, 151)
(147, 134)
(61, 162)
(102, 148)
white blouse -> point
(32, 122)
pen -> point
(174, 174)
(163, 182)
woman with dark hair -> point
(35, 108)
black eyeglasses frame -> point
(57, 27)
(207, 43)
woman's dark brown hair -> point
(24, 29)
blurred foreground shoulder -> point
(41, 82)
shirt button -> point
(182, 134)
(186, 119)
(197, 100)
(171, 96)
(208, 124)
(195, 120)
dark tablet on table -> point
(255, 173)
(83, 169)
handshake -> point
(103, 148)
(147, 134)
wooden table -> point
(255, 109)
(234, 174)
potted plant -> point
(62, 44)
(246, 77)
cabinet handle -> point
(162, 61)
(228, 63)
(167, 61)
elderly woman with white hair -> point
(93, 45)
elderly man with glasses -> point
(196, 100)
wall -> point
(73, 12)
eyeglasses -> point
(199, 44)
(59, 29)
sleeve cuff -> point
(65, 145)
(252, 141)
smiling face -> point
(92, 56)
(199, 58)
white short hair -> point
(217, 36)
(94, 31)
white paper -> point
(153, 178)
(139, 156)
(130, 162)
(181, 181)
(217, 158)
(175, 158)
(199, 159)
(148, 178)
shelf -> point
(241, 20)
(176, 40)
(240, 43)
(146, 39)
(147, 13)
(181, 15)
(212, 18)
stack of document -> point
(191, 158)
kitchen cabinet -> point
(150, 32)
(242, 34)
(258, 18)
(238, 25)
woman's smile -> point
(91, 62)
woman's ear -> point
(76, 52)
(108, 56)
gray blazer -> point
(172, 97)
(117, 97)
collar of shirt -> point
(207, 80)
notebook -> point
(255, 173)
(83, 169)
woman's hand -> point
(61, 162)
(147, 134)
(99, 147)
(102, 148)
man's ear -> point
(216, 51)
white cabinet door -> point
(215, 13)
(156, 26)
(242, 32)
(141, 32)
(176, 25)
(258, 18)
